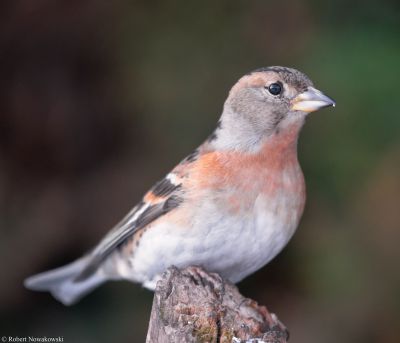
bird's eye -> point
(275, 88)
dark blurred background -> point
(99, 99)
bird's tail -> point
(62, 282)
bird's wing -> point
(164, 197)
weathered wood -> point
(193, 306)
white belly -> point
(232, 245)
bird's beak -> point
(311, 100)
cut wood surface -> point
(191, 305)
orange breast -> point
(241, 177)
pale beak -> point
(311, 100)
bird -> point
(229, 207)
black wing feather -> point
(126, 229)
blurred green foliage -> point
(98, 100)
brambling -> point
(229, 207)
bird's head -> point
(268, 101)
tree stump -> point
(191, 306)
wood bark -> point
(191, 306)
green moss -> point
(208, 333)
(205, 334)
(227, 336)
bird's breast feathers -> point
(235, 216)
